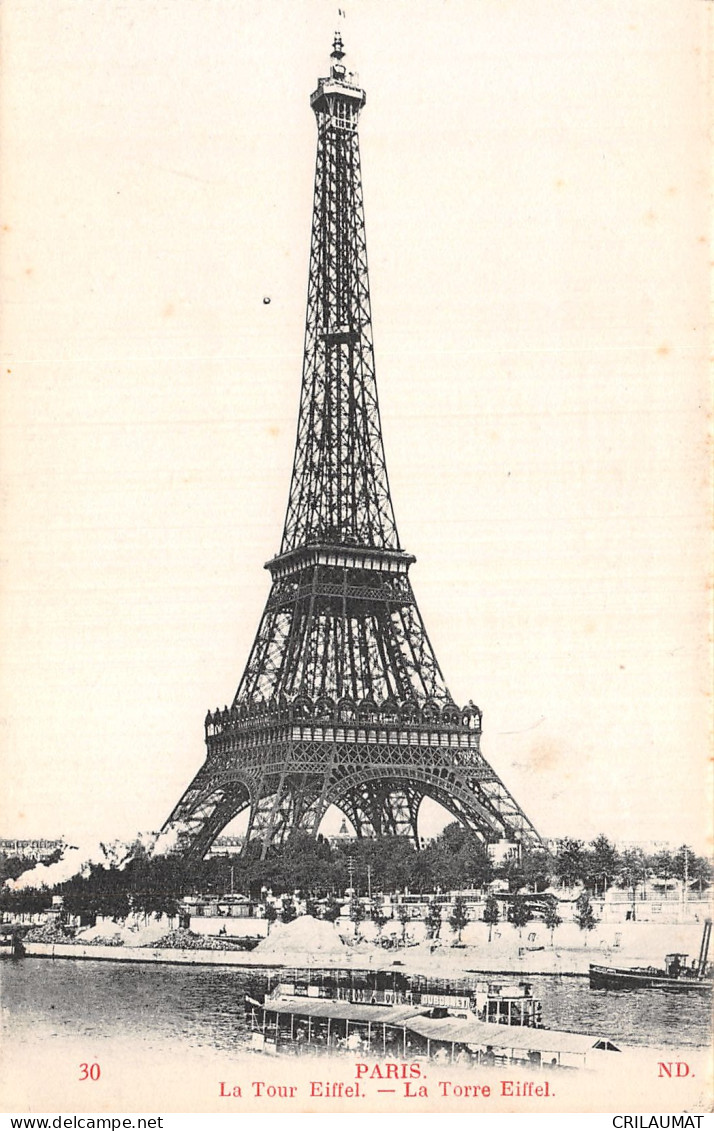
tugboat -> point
(677, 974)
(386, 1014)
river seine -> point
(202, 1008)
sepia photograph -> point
(355, 584)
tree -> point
(632, 871)
(570, 864)
(155, 883)
(403, 916)
(700, 871)
(433, 919)
(115, 905)
(459, 916)
(357, 913)
(584, 916)
(602, 863)
(80, 899)
(312, 908)
(663, 865)
(551, 918)
(480, 865)
(332, 910)
(490, 914)
(689, 867)
(425, 870)
(25, 901)
(394, 867)
(519, 913)
(287, 911)
(305, 864)
(458, 858)
(537, 868)
(513, 871)
(270, 914)
(389, 861)
(682, 862)
(378, 917)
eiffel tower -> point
(342, 701)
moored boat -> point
(677, 975)
(643, 977)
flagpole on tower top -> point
(338, 31)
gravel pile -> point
(182, 939)
(48, 933)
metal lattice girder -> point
(342, 701)
(379, 786)
(213, 799)
(339, 488)
(345, 631)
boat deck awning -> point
(343, 1010)
(517, 1037)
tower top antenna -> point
(338, 51)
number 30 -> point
(90, 1071)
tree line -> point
(319, 869)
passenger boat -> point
(386, 1015)
(677, 975)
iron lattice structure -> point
(342, 701)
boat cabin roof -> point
(343, 1010)
(452, 1029)
(519, 1037)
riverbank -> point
(163, 955)
(635, 944)
(409, 961)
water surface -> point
(202, 1007)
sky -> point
(537, 185)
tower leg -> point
(273, 810)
